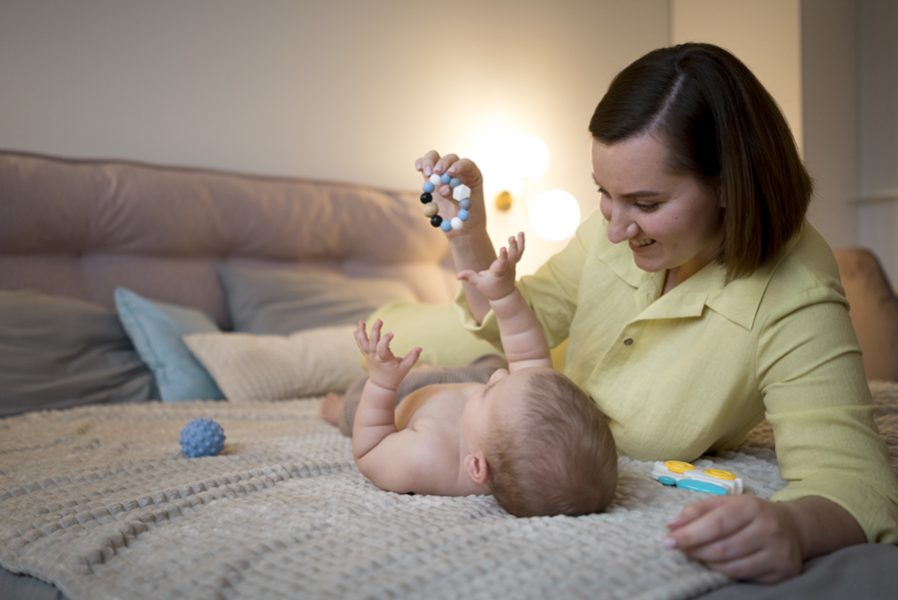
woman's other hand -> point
(748, 538)
(743, 537)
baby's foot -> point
(332, 407)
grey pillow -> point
(58, 352)
(283, 301)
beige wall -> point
(833, 67)
(335, 89)
(355, 90)
(764, 34)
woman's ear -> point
(477, 468)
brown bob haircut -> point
(721, 126)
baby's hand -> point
(384, 369)
(498, 281)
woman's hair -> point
(721, 126)
(553, 452)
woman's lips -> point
(637, 245)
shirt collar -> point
(737, 301)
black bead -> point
(436, 220)
(426, 197)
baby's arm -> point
(375, 416)
(522, 336)
(394, 460)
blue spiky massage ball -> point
(202, 437)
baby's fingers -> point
(516, 247)
(383, 351)
(361, 337)
(501, 263)
(409, 360)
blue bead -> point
(454, 182)
(463, 215)
(464, 204)
(428, 187)
(445, 178)
(446, 225)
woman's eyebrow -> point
(637, 195)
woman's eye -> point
(601, 191)
(646, 206)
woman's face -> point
(671, 221)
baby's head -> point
(547, 446)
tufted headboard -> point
(79, 228)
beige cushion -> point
(873, 310)
(250, 367)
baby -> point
(528, 435)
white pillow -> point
(249, 367)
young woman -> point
(698, 300)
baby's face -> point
(492, 401)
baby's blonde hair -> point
(553, 452)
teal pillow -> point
(156, 329)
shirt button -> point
(628, 342)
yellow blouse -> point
(693, 370)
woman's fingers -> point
(744, 537)
(426, 163)
(708, 520)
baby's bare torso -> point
(435, 411)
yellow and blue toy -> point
(698, 477)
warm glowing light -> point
(554, 215)
(531, 155)
(510, 161)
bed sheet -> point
(99, 501)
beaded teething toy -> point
(460, 192)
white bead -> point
(462, 192)
(456, 223)
(435, 179)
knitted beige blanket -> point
(99, 501)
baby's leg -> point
(332, 408)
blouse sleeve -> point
(818, 403)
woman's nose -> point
(620, 227)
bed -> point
(137, 297)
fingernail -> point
(670, 543)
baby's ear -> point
(477, 467)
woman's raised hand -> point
(469, 174)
